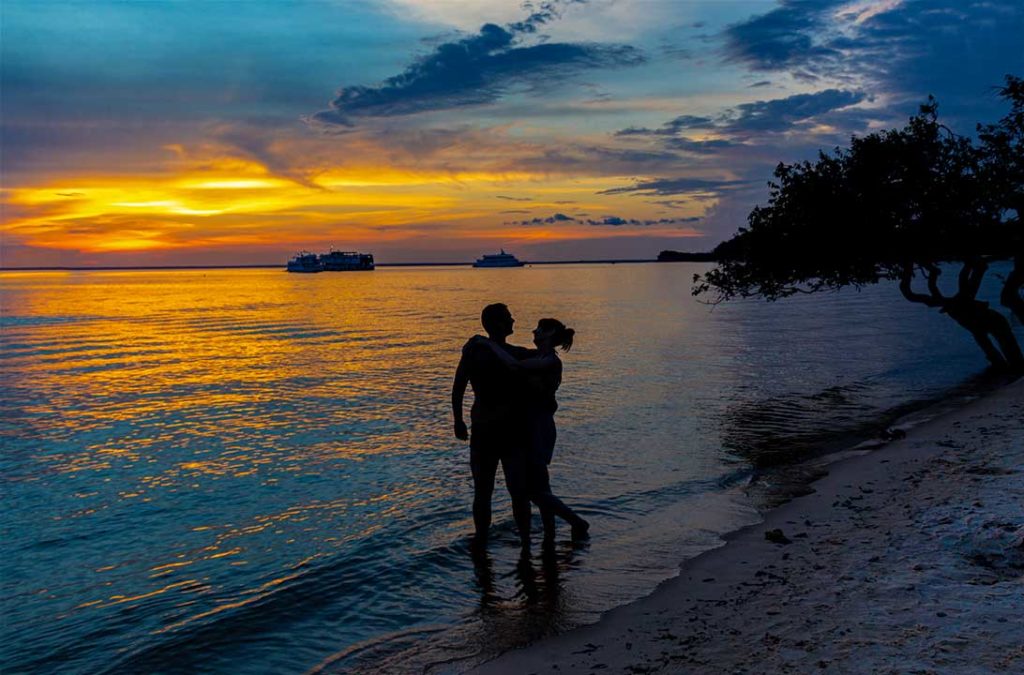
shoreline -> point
(906, 557)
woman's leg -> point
(550, 505)
(544, 434)
(540, 494)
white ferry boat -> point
(498, 260)
(346, 261)
(305, 262)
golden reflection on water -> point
(199, 441)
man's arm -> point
(458, 394)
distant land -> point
(683, 256)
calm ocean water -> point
(246, 471)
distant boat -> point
(305, 262)
(498, 260)
(334, 261)
(346, 261)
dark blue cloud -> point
(550, 220)
(617, 221)
(675, 186)
(750, 119)
(957, 51)
(953, 49)
(475, 70)
(783, 37)
(544, 13)
(613, 221)
(670, 128)
(783, 113)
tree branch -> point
(971, 275)
(934, 271)
(906, 281)
(1010, 296)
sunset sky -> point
(146, 132)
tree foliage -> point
(894, 205)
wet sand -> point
(907, 559)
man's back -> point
(498, 393)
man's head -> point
(497, 321)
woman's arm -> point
(532, 363)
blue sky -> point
(193, 132)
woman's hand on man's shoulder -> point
(475, 341)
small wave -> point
(15, 321)
(786, 451)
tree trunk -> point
(1011, 297)
(978, 317)
(999, 328)
(984, 323)
(994, 356)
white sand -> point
(908, 559)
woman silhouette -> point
(544, 375)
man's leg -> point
(483, 461)
(514, 466)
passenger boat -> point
(498, 260)
(305, 262)
(334, 261)
(346, 261)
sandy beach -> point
(909, 558)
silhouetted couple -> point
(513, 420)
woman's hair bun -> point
(563, 336)
(566, 341)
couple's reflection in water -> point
(538, 606)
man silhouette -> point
(498, 425)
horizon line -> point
(86, 268)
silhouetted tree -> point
(896, 205)
(1002, 160)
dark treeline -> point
(901, 205)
